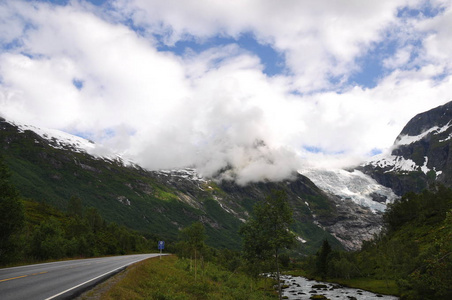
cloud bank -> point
(117, 75)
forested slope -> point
(414, 250)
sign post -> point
(161, 246)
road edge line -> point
(112, 272)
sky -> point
(247, 90)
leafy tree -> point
(76, 227)
(267, 233)
(342, 265)
(193, 237)
(11, 215)
(48, 240)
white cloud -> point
(217, 109)
(319, 39)
(439, 39)
(121, 73)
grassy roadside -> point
(174, 278)
(378, 286)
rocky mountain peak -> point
(420, 155)
(437, 117)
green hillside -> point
(34, 231)
(156, 204)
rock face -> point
(352, 223)
(420, 156)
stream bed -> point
(303, 288)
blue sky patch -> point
(371, 64)
(375, 151)
(427, 10)
(77, 83)
(313, 149)
(272, 61)
(65, 2)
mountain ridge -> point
(161, 202)
(343, 206)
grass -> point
(174, 278)
(378, 286)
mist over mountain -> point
(344, 206)
(51, 166)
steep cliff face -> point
(420, 155)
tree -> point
(267, 233)
(12, 215)
(47, 241)
(323, 258)
(193, 237)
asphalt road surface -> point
(61, 280)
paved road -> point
(60, 280)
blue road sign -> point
(161, 245)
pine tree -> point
(323, 258)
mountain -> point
(420, 155)
(345, 206)
(51, 166)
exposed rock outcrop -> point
(421, 154)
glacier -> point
(354, 185)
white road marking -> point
(88, 281)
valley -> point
(345, 208)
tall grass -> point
(174, 278)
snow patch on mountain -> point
(394, 162)
(61, 140)
(356, 186)
(408, 139)
(186, 173)
(397, 163)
